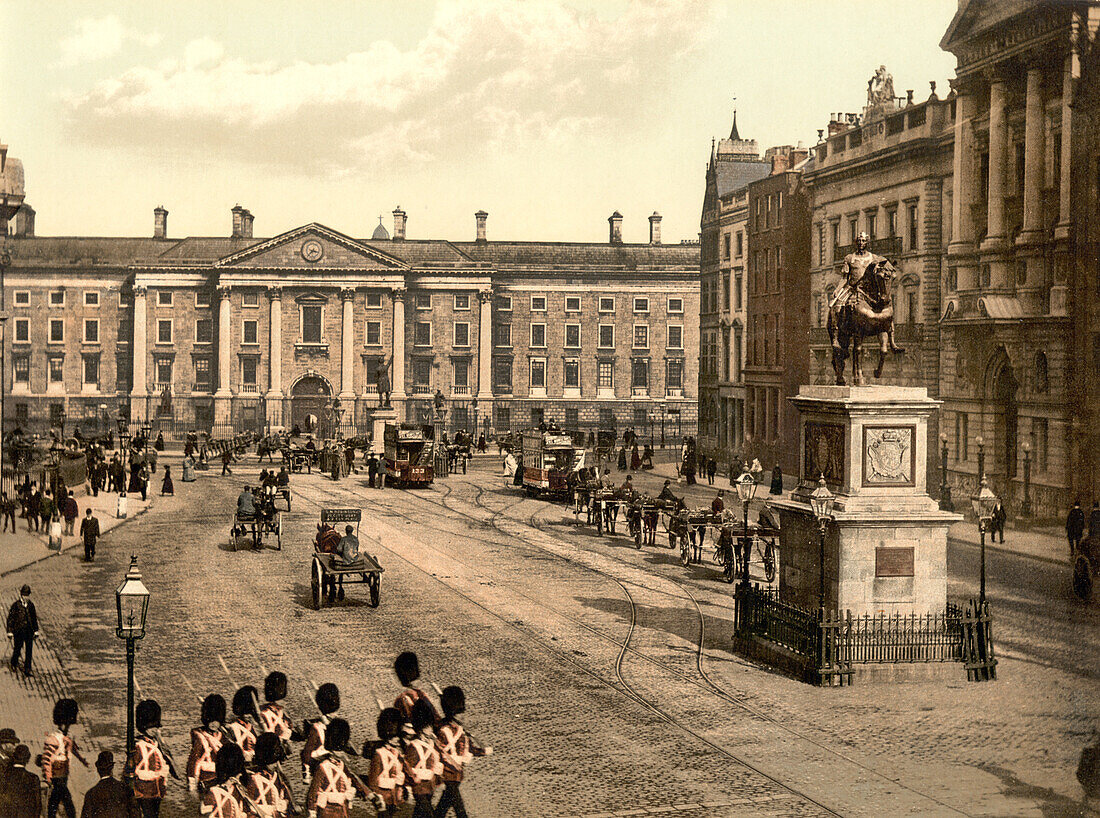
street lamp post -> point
(821, 501)
(132, 601)
(746, 490)
(981, 457)
(983, 503)
(945, 490)
(1025, 506)
(473, 405)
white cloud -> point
(97, 39)
(486, 74)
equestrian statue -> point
(862, 307)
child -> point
(333, 788)
(328, 702)
(241, 729)
(205, 743)
(55, 758)
(423, 767)
(267, 789)
(387, 775)
(455, 749)
(407, 668)
(227, 798)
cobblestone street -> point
(601, 674)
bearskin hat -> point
(275, 686)
(64, 712)
(407, 668)
(229, 761)
(422, 715)
(147, 715)
(213, 709)
(328, 698)
(269, 750)
(389, 723)
(453, 701)
(244, 701)
(337, 735)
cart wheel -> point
(375, 585)
(685, 552)
(1082, 578)
(233, 536)
(729, 572)
(769, 561)
(315, 585)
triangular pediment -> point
(312, 246)
(976, 16)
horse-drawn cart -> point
(329, 571)
(266, 523)
(1086, 566)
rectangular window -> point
(462, 301)
(607, 336)
(502, 375)
(202, 298)
(820, 244)
(22, 330)
(538, 373)
(853, 229)
(164, 371)
(572, 303)
(502, 417)
(462, 334)
(57, 298)
(91, 370)
(461, 375)
(204, 331)
(738, 297)
(164, 298)
(21, 369)
(250, 332)
(834, 238)
(422, 371)
(373, 334)
(740, 244)
(538, 415)
(641, 305)
(607, 418)
(311, 324)
(892, 222)
(675, 305)
(538, 335)
(872, 221)
(248, 371)
(57, 330)
(503, 335)
(726, 247)
(605, 375)
(164, 330)
(91, 330)
(504, 303)
(912, 312)
(675, 336)
(91, 298)
(374, 301)
(641, 336)
(422, 334)
(572, 336)
(912, 226)
(639, 373)
(607, 303)
(641, 417)
(538, 303)
(372, 366)
(423, 301)
(572, 373)
(22, 298)
(250, 299)
(56, 369)
(202, 374)
(572, 418)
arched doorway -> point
(310, 401)
(1002, 393)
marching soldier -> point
(328, 702)
(386, 778)
(59, 748)
(267, 789)
(205, 743)
(227, 798)
(242, 730)
(273, 717)
(423, 766)
(150, 764)
(333, 786)
(407, 668)
(456, 749)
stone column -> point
(139, 391)
(275, 358)
(1065, 214)
(347, 345)
(995, 219)
(397, 357)
(1034, 165)
(485, 347)
(223, 407)
(961, 247)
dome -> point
(380, 232)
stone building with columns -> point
(237, 332)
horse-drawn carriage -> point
(329, 571)
(687, 528)
(1086, 566)
(729, 548)
(257, 529)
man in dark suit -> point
(109, 798)
(22, 629)
(89, 532)
(22, 798)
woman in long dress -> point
(167, 487)
(188, 470)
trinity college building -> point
(238, 333)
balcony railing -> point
(674, 392)
(202, 386)
(460, 390)
(370, 389)
(250, 388)
(639, 391)
(421, 389)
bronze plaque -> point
(893, 562)
(824, 453)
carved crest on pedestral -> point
(888, 456)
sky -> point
(548, 114)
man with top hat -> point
(22, 629)
(22, 797)
(108, 798)
(58, 749)
(205, 743)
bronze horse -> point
(869, 311)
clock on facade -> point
(312, 250)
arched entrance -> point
(310, 402)
(1002, 392)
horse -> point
(869, 311)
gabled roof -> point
(976, 16)
(288, 250)
(57, 251)
(736, 175)
(571, 254)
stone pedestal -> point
(886, 549)
(379, 418)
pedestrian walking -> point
(7, 511)
(22, 630)
(58, 749)
(372, 469)
(407, 669)
(456, 749)
(635, 457)
(70, 511)
(166, 486)
(188, 467)
(777, 480)
(997, 523)
(227, 458)
(327, 699)
(712, 470)
(622, 458)
(159, 444)
(34, 508)
(22, 798)
(1075, 526)
(89, 533)
(108, 798)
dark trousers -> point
(225, 468)
(89, 550)
(423, 806)
(24, 641)
(60, 795)
(9, 515)
(149, 807)
(451, 797)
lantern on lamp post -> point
(821, 501)
(983, 502)
(1025, 506)
(132, 603)
(746, 490)
(945, 490)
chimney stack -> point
(615, 222)
(160, 222)
(398, 224)
(481, 217)
(238, 221)
(24, 221)
(655, 228)
(246, 224)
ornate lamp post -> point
(981, 457)
(473, 405)
(1025, 506)
(746, 490)
(821, 501)
(945, 490)
(132, 600)
(983, 503)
